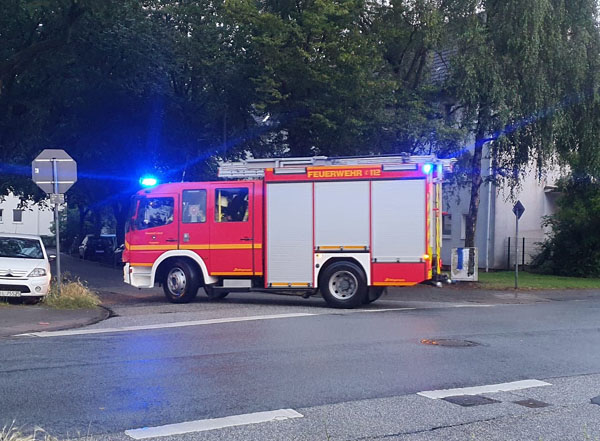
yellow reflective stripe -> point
(187, 246)
(236, 273)
(339, 247)
(394, 283)
(220, 246)
(152, 247)
(141, 264)
(290, 284)
(230, 246)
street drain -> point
(449, 342)
(596, 400)
(530, 402)
(470, 400)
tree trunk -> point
(471, 221)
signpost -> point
(54, 171)
(518, 209)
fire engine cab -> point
(343, 227)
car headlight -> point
(38, 272)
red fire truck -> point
(342, 227)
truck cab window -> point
(231, 205)
(194, 206)
(154, 212)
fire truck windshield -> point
(154, 212)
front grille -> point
(22, 288)
(12, 273)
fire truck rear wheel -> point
(343, 285)
(181, 283)
(374, 293)
(214, 295)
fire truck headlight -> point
(148, 181)
(427, 168)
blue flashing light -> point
(427, 168)
(148, 181)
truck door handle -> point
(170, 240)
(247, 238)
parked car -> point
(97, 247)
(24, 267)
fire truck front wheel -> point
(343, 285)
(181, 282)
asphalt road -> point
(351, 375)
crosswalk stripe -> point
(213, 424)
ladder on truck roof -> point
(255, 168)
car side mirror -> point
(51, 257)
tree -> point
(411, 35)
(321, 78)
(512, 78)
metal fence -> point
(529, 247)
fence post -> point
(508, 259)
(523, 260)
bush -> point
(73, 295)
(573, 246)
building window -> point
(231, 205)
(1, 213)
(17, 216)
(194, 206)
(447, 225)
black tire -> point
(214, 295)
(343, 285)
(181, 282)
(374, 293)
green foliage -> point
(572, 248)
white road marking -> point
(477, 390)
(212, 424)
(354, 311)
(187, 323)
(161, 325)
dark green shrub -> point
(573, 246)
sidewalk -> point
(19, 319)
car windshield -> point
(19, 247)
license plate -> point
(10, 293)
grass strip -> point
(527, 280)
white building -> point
(31, 219)
(495, 232)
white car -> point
(24, 266)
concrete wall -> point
(539, 199)
(36, 219)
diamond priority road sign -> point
(54, 171)
(518, 209)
